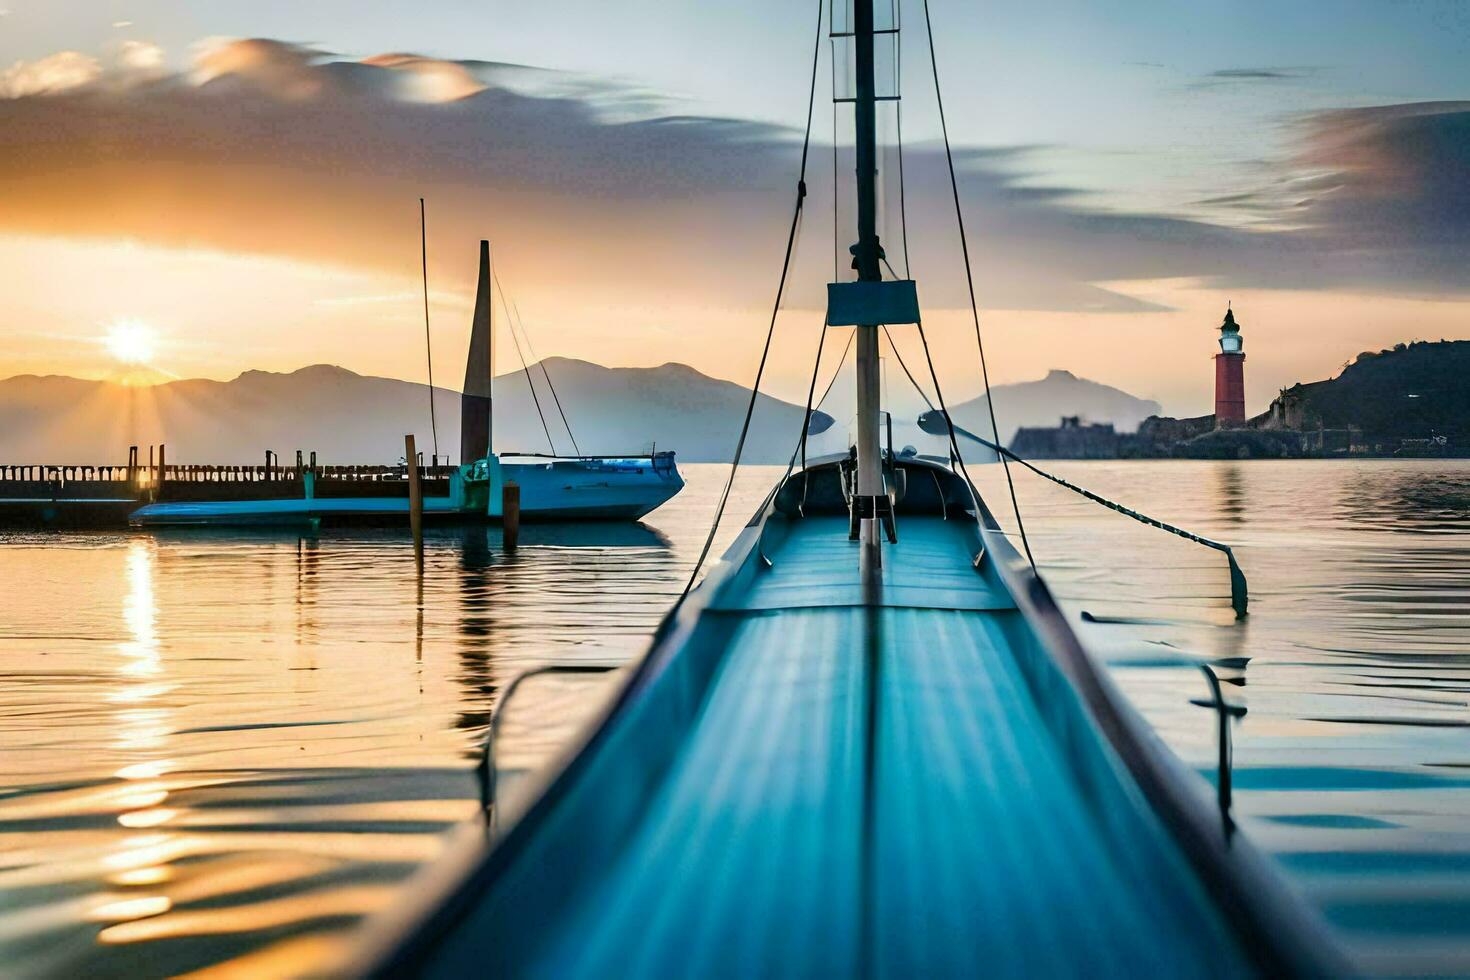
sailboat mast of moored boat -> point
(475, 436)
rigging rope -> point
(428, 340)
(775, 312)
(833, 380)
(806, 423)
(544, 373)
(806, 416)
(907, 373)
(807, 419)
(1238, 590)
(810, 408)
(954, 186)
(954, 443)
(495, 278)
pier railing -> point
(158, 479)
(98, 495)
(63, 474)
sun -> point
(131, 342)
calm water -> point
(219, 752)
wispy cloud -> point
(1260, 74)
(59, 72)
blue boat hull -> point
(552, 489)
(617, 489)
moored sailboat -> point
(616, 487)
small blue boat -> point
(867, 745)
(552, 488)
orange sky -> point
(216, 314)
(260, 211)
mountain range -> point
(351, 418)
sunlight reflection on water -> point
(227, 749)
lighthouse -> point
(1229, 375)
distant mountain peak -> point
(1044, 402)
(305, 373)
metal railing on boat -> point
(487, 771)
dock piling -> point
(415, 499)
(510, 514)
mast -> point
(475, 404)
(870, 302)
(866, 256)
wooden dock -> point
(103, 496)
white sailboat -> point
(621, 487)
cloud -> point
(54, 73)
(1259, 74)
(1394, 173)
(140, 56)
(607, 192)
(272, 148)
(1381, 198)
(125, 63)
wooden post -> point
(510, 513)
(162, 462)
(415, 499)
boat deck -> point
(895, 790)
(930, 567)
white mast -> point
(867, 254)
(870, 302)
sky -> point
(193, 188)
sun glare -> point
(131, 342)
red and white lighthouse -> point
(1229, 375)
